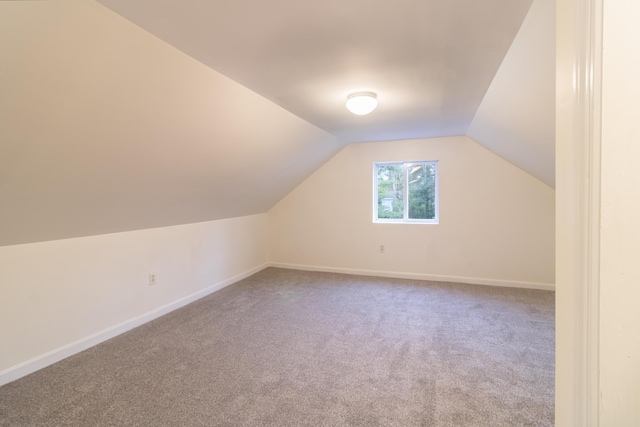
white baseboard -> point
(418, 276)
(51, 357)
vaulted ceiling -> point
(149, 113)
(429, 61)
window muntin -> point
(406, 192)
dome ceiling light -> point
(362, 103)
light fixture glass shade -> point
(362, 103)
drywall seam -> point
(419, 276)
(15, 372)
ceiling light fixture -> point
(362, 103)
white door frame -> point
(578, 141)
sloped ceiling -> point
(433, 63)
(516, 118)
(429, 61)
(105, 128)
(111, 124)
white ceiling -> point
(105, 128)
(199, 110)
(516, 118)
(429, 61)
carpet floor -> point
(294, 348)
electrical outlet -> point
(381, 249)
(152, 279)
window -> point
(405, 192)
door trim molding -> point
(579, 180)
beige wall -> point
(620, 213)
(496, 225)
(62, 296)
(496, 222)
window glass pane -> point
(390, 190)
(422, 191)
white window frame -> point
(405, 194)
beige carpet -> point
(290, 348)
